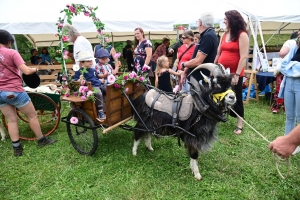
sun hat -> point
(102, 53)
(84, 56)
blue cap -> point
(102, 53)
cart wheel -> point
(47, 112)
(83, 135)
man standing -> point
(205, 51)
(80, 43)
(128, 42)
(174, 49)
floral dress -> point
(140, 55)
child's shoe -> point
(274, 110)
(101, 115)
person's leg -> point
(289, 104)
(33, 121)
(296, 88)
(239, 106)
(99, 103)
(12, 121)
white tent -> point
(37, 20)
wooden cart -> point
(83, 135)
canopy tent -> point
(156, 18)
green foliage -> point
(237, 167)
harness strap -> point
(220, 96)
(175, 111)
(152, 105)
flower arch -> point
(71, 11)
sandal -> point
(238, 130)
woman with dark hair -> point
(12, 94)
(232, 53)
(46, 59)
(35, 59)
(142, 50)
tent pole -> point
(15, 43)
(262, 39)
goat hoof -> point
(198, 176)
(150, 149)
(134, 153)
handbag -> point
(32, 80)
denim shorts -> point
(17, 99)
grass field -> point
(237, 167)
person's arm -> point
(149, 55)
(115, 71)
(113, 53)
(77, 75)
(175, 73)
(198, 60)
(285, 49)
(103, 75)
(284, 146)
(219, 50)
(156, 79)
(27, 70)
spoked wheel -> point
(81, 131)
(47, 112)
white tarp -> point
(37, 19)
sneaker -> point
(44, 141)
(297, 150)
(101, 115)
(274, 110)
(18, 151)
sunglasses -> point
(183, 37)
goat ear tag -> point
(227, 71)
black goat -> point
(210, 102)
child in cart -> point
(85, 60)
(277, 102)
(104, 69)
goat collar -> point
(220, 96)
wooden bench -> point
(51, 79)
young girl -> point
(162, 74)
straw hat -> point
(84, 56)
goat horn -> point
(213, 68)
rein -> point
(277, 158)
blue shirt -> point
(90, 76)
(45, 57)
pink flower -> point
(126, 90)
(131, 75)
(83, 97)
(66, 83)
(64, 78)
(60, 25)
(123, 82)
(55, 34)
(106, 39)
(117, 86)
(125, 78)
(99, 31)
(89, 93)
(68, 5)
(72, 9)
(117, 55)
(66, 52)
(145, 68)
(67, 95)
(65, 38)
(74, 120)
(66, 56)
(91, 8)
(111, 78)
(176, 88)
(75, 94)
(80, 89)
(86, 89)
(141, 78)
(82, 82)
(87, 14)
(137, 85)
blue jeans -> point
(17, 99)
(292, 103)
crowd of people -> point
(191, 50)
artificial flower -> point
(87, 14)
(64, 78)
(72, 9)
(176, 88)
(83, 97)
(74, 120)
(126, 90)
(106, 39)
(89, 93)
(76, 68)
(111, 78)
(65, 38)
(117, 55)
